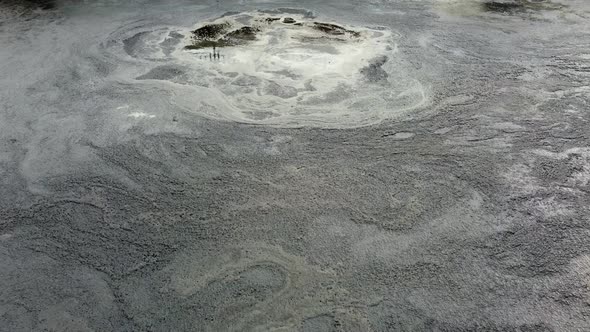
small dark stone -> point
(272, 19)
(328, 28)
(288, 20)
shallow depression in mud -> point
(281, 68)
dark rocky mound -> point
(217, 35)
(244, 33)
(211, 31)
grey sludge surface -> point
(439, 181)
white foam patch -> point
(299, 75)
(292, 74)
(141, 115)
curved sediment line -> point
(281, 69)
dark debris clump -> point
(222, 35)
(244, 33)
(219, 35)
(503, 7)
(272, 19)
(211, 31)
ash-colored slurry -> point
(143, 188)
(281, 68)
(306, 73)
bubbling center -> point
(280, 68)
(289, 49)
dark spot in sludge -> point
(217, 35)
(197, 45)
(519, 6)
(244, 33)
(374, 72)
(211, 31)
(45, 4)
(272, 19)
(221, 34)
(502, 7)
(30, 4)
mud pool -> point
(266, 165)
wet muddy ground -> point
(430, 174)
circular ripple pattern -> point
(280, 68)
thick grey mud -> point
(341, 166)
